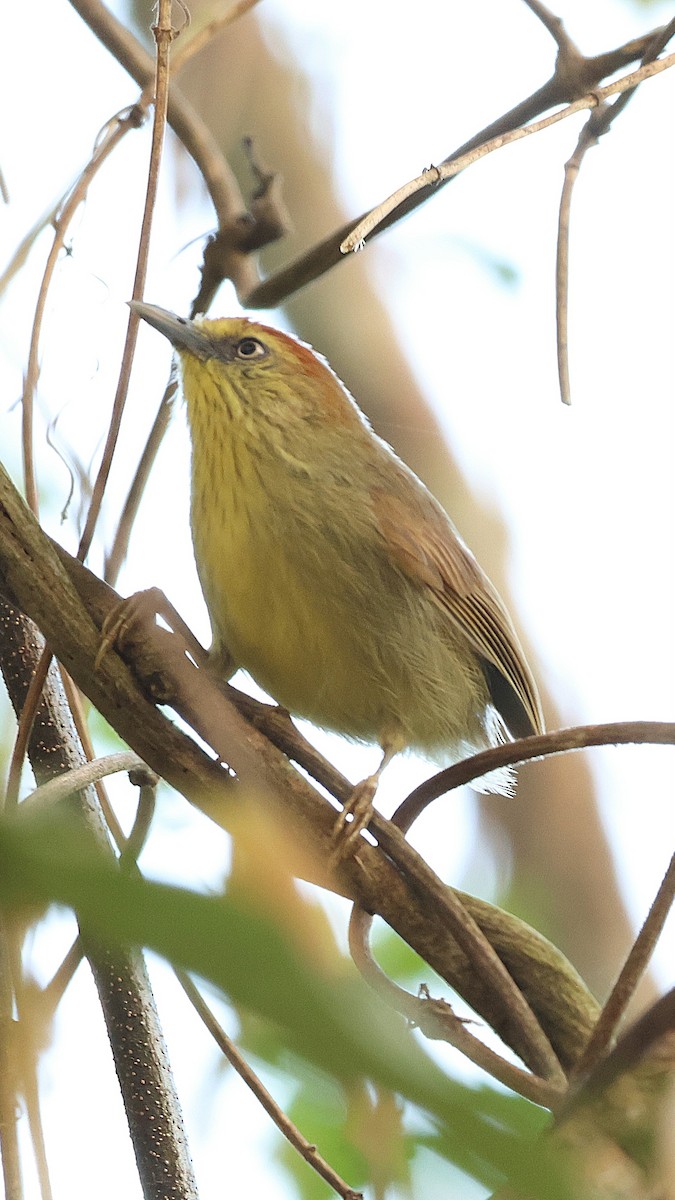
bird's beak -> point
(182, 334)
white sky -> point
(588, 493)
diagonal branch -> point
(33, 573)
(434, 176)
(560, 741)
(563, 88)
(631, 972)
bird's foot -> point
(360, 807)
(125, 623)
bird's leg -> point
(360, 803)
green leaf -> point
(324, 1013)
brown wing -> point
(429, 551)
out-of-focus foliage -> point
(325, 1016)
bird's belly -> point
(347, 659)
(275, 621)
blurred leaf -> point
(325, 1015)
(399, 961)
(375, 1126)
(320, 1112)
(502, 271)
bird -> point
(330, 572)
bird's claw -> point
(360, 807)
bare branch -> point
(63, 785)
(554, 25)
(447, 170)
(597, 125)
(579, 737)
(152, 1107)
(9, 1099)
(563, 87)
(305, 1149)
(164, 35)
(436, 1020)
(193, 133)
(113, 136)
(635, 1045)
(587, 138)
(633, 969)
(118, 550)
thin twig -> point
(146, 781)
(74, 698)
(22, 251)
(163, 35)
(658, 1021)
(79, 777)
(514, 1009)
(554, 25)
(560, 89)
(542, 745)
(115, 133)
(587, 138)
(283, 1123)
(597, 125)
(436, 1020)
(9, 1101)
(192, 131)
(631, 973)
(54, 991)
(654, 47)
(25, 1042)
(31, 1095)
(194, 134)
(24, 728)
(118, 550)
(447, 170)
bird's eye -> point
(250, 348)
